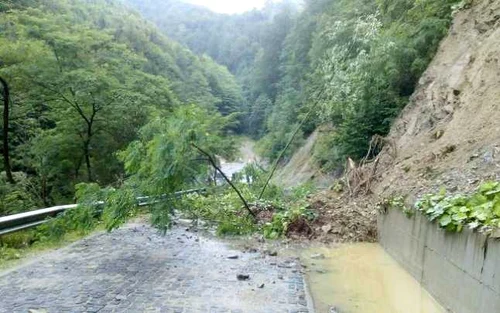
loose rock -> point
(318, 256)
(327, 228)
(271, 253)
(243, 277)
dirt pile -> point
(340, 219)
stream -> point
(245, 157)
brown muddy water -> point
(362, 278)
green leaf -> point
(492, 192)
(442, 192)
(445, 220)
(496, 209)
(459, 216)
(482, 216)
(464, 209)
(477, 200)
(488, 186)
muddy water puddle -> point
(363, 278)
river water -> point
(363, 278)
(246, 156)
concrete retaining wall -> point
(461, 271)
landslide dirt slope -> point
(449, 134)
(302, 168)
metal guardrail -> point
(16, 222)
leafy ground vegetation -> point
(478, 211)
(277, 214)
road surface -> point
(135, 269)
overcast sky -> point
(230, 6)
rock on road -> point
(134, 269)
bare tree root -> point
(359, 178)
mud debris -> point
(340, 219)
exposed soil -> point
(341, 219)
(302, 168)
(300, 228)
(449, 134)
(263, 214)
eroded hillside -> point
(449, 134)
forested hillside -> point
(99, 96)
(249, 44)
(232, 40)
(84, 78)
(352, 63)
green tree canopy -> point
(85, 77)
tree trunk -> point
(86, 152)
(77, 168)
(6, 159)
(86, 144)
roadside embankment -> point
(447, 136)
(460, 270)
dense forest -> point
(84, 77)
(352, 63)
(100, 95)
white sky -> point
(230, 6)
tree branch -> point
(275, 166)
(214, 164)
(73, 104)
